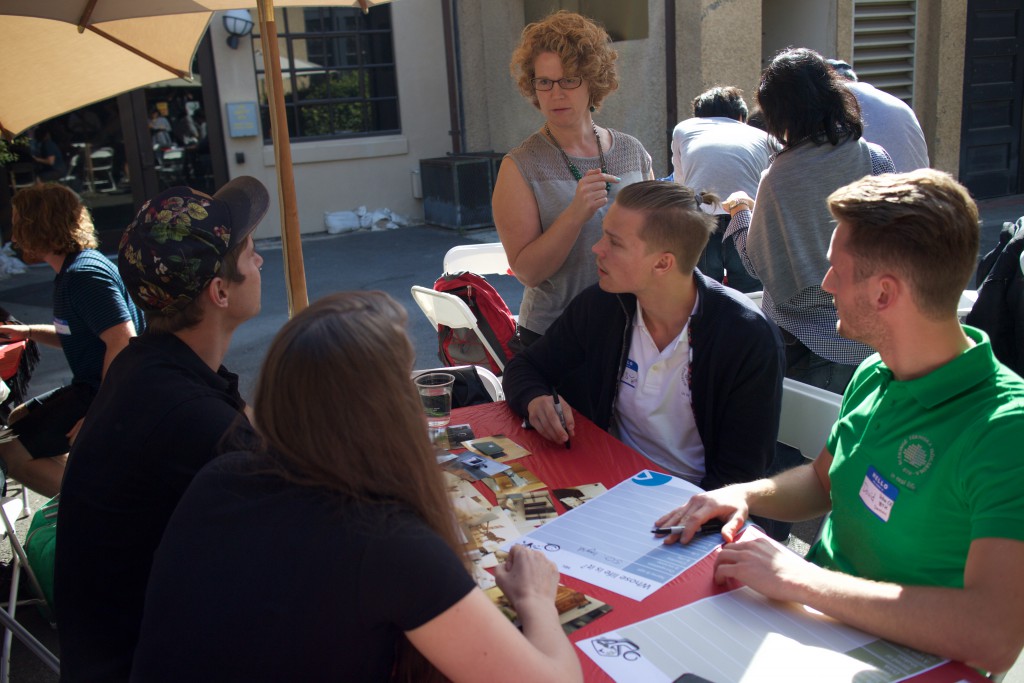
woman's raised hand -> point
(592, 193)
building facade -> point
(442, 84)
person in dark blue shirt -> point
(93, 319)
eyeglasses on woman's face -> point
(568, 83)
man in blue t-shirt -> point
(93, 319)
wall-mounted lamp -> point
(238, 23)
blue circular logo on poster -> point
(649, 478)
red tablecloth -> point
(598, 457)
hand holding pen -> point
(554, 421)
(561, 415)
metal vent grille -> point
(884, 38)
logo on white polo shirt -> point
(916, 455)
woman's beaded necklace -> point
(572, 167)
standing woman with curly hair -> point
(549, 202)
(330, 552)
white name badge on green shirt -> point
(878, 494)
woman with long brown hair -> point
(331, 551)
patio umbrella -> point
(59, 55)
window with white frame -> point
(338, 72)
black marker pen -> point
(712, 527)
(561, 415)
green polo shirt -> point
(922, 468)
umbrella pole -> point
(294, 269)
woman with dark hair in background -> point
(332, 553)
(549, 202)
(784, 238)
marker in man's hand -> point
(561, 415)
(712, 527)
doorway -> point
(990, 140)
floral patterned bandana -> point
(178, 241)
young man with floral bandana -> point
(167, 408)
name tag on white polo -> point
(631, 373)
(878, 494)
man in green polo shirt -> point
(923, 473)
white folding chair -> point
(102, 164)
(967, 301)
(808, 414)
(69, 175)
(490, 381)
(447, 309)
(482, 259)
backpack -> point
(41, 545)
(461, 346)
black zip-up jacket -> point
(738, 365)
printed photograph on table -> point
(578, 495)
(474, 467)
(515, 479)
(510, 450)
(528, 510)
(457, 434)
(575, 610)
(485, 527)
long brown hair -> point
(335, 408)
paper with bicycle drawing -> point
(745, 637)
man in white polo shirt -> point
(684, 370)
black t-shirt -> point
(260, 579)
(160, 415)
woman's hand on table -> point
(544, 418)
(527, 575)
(726, 504)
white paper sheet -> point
(608, 541)
(743, 636)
